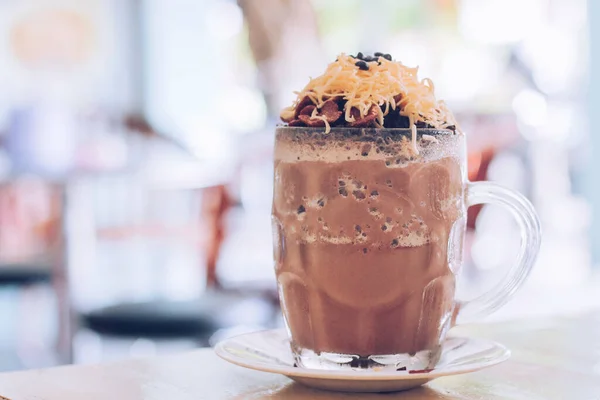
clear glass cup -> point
(368, 243)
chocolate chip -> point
(451, 127)
(395, 243)
(343, 191)
(365, 250)
(321, 202)
(362, 65)
(384, 228)
(387, 57)
(359, 55)
(374, 193)
(378, 54)
(341, 183)
(395, 120)
(358, 228)
(301, 210)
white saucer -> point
(269, 351)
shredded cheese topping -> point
(378, 85)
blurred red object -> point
(216, 201)
(478, 164)
(30, 213)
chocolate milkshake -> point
(368, 217)
(367, 239)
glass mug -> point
(368, 242)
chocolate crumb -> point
(301, 210)
(365, 250)
(359, 195)
(365, 150)
(343, 191)
(358, 228)
(321, 202)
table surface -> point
(553, 358)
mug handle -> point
(529, 225)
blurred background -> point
(136, 145)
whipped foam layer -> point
(392, 146)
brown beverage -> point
(367, 237)
(369, 217)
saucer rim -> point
(353, 375)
